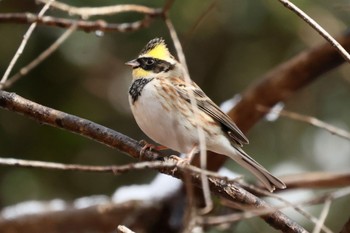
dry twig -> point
(24, 42)
(312, 180)
(310, 120)
(318, 28)
(88, 26)
(124, 229)
(115, 169)
(34, 63)
(323, 216)
(202, 144)
(86, 12)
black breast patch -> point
(137, 87)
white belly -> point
(165, 127)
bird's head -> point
(154, 60)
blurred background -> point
(234, 44)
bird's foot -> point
(180, 161)
(149, 146)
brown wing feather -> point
(205, 104)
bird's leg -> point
(192, 153)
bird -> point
(160, 101)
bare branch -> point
(202, 141)
(99, 218)
(200, 19)
(167, 6)
(280, 83)
(124, 229)
(317, 180)
(317, 27)
(25, 70)
(310, 120)
(24, 42)
(249, 213)
(323, 216)
(120, 169)
(346, 227)
(88, 26)
(86, 12)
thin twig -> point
(310, 120)
(296, 207)
(323, 216)
(167, 6)
(24, 42)
(26, 69)
(317, 27)
(249, 212)
(85, 168)
(86, 12)
(312, 180)
(88, 26)
(200, 132)
(124, 229)
(199, 20)
(115, 169)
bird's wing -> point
(206, 105)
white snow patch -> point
(274, 112)
(162, 186)
(85, 202)
(228, 173)
(227, 105)
(32, 207)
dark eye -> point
(149, 62)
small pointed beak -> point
(133, 63)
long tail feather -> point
(270, 181)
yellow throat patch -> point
(140, 73)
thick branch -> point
(74, 124)
(100, 218)
(346, 227)
(286, 79)
(49, 116)
(282, 82)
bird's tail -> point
(270, 181)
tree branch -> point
(86, 25)
(111, 138)
(99, 218)
(281, 83)
(346, 227)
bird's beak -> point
(133, 63)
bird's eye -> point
(149, 62)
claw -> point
(148, 146)
(180, 161)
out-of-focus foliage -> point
(231, 48)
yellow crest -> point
(156, 48)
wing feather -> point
(206, 105)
